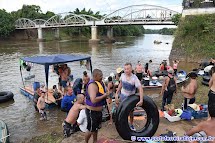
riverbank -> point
(194, 38)
(179, 127)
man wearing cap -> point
(168, 88)
(190, 90)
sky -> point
(104, 6)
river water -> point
(20, 116)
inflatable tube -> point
(205, 83)
(5, 96)
(4, 132)
(122, 114)
(206, 78)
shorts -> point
(94, 120)
(188, 101)
(211, 95)
(64, 83)
(122, 97)
(68, 129)
(43, 113)
(139, 76)
(111, 95)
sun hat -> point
(119, 70)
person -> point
(95, 99)
(41, 107)
(64, 76)
(37, 94)
(68, 99)
(86, 79)
(57, 94)
(69, 124)
(190, 90)
(139, 71)
(82, 121)
(211, 94)
(169, 86)
(77, 86)
(146, 70)
(110, 92)
(205, 128)
(175, 66)
(127, 87)
(119, 72)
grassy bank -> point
(195, 37)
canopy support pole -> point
(47, 77)
(22, 76)
(91, 68)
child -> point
(41, 106)
(110, 89)
(70, 121)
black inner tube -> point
(126, 107)
(5, 96)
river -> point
(20, 116)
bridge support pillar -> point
(110, 38)
(57, 34)
(40, 35)
(94, 39)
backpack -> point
(172, 85)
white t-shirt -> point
(82, 120)
(129, 86)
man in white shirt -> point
(82, 121)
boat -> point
(156, 82)
(4, 133)
(28, 90)
(6, 96)
(157, 42)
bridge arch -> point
(24, 23)
(139, 13)
(66, 19)
(39, 21)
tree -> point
(6, 24)
(176, 18)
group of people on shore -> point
(84, 109)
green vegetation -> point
(195, 36)
(34, 12)
(164, 31)
(6, 24)
(176, 18)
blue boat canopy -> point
(55, 59)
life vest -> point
(101, 91)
